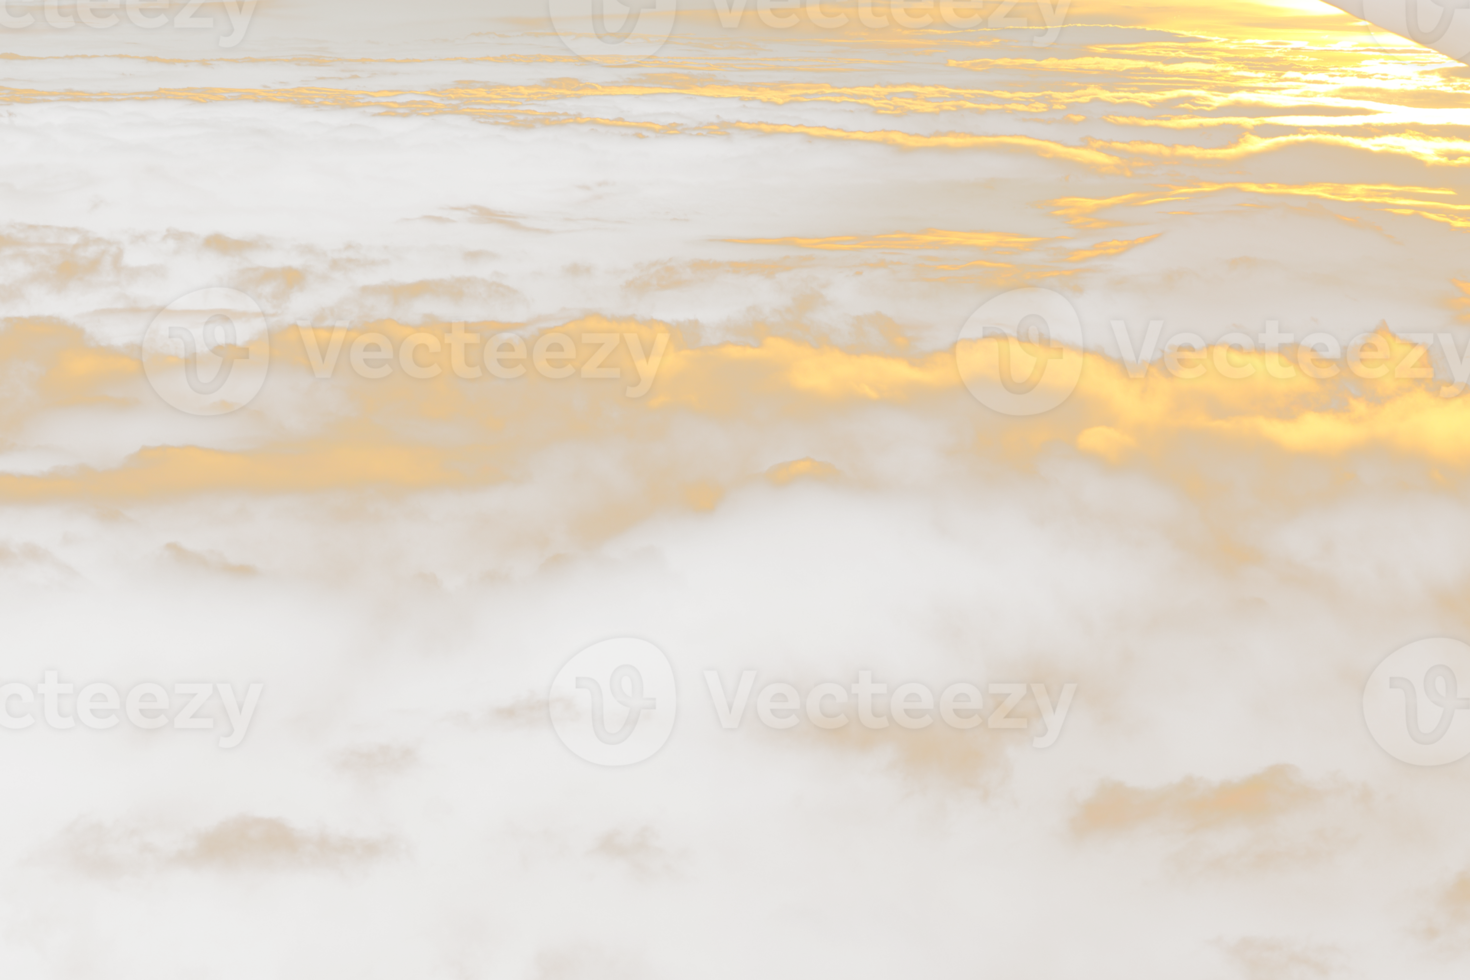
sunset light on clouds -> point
(735, 489)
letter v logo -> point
(614, 703)
(1414, 704)
(207, 353)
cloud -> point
(30, 563)
(378, 759)
(1444, 929)
(586, 961)
(1267, 823)
(526, 713)
(640, 854)
(243, 848)
(1270, 958)
(806, 489)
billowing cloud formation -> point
(562, 351)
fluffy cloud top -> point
(785, 231)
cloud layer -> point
(784, 230)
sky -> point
(385, 359)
